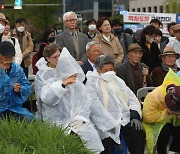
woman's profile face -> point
(53, 59)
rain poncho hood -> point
(10, 100)
(158, 117)
(68, 66)
(63, 106)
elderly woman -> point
(58, 85)
(114, 100)
(110, 44)
(169, 57)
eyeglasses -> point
(71, 20)
(55, 57)
(6, 63)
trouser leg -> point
(175, 145)
(163, 139)
(108, 144)
(135, 139)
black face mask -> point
(118, 31)
(51, 39)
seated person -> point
(112, 98)
(169, 57)
(14, 86)
(161, 115)
(93, 50)
(133, 72)
(58, 84)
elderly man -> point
(72, 39)
(133, 72)
(175, 42)
(93, 50)
(169, 57)
(14, 86)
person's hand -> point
(69, 80)
(169, 112)
(113, 131)
(17, 87)
(76, 124)
(80, 62)
(145, 71)
(137, 123)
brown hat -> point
(169, 50)
(176, 27)
(172, 100)
(134, 47)
(3, 18)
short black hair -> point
(19, 20)
(7, 49)
(116, 22)
(170, 25)
(90, 21)
(156, 21)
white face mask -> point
(21, 29)
(92, 27)
(108, 76)
(2, 28)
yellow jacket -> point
(155, 111)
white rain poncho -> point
(112, 100)
(66, 105)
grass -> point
(37, 138)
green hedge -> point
(37, 138)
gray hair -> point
(103, 60)
(67, 15)
(90, 44)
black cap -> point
(7, 49)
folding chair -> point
(142, 92)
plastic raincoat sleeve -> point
(49, 92)
(25, 90)
(154, 108)
(100, 117)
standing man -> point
(72, 39)
(124, 38)
(25, 41)
(133, 72)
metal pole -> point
(96, 9)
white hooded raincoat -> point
(66, 105)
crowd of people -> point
(88, 83)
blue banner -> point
(178, 18)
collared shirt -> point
(106, 38)
(71, 32)
(92, 64)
